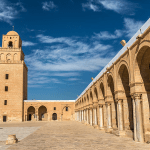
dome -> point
(12, 33)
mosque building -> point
(116, 101)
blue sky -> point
(67, 42)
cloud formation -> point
(118, 6)
(48, 6)
(10, 11)
(28, 43)
(130, 28)
(105, 35)
(66, 57)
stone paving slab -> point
(71, 135)
(21, 130)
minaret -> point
(13, 78)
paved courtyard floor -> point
(65, 135)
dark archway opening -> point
(54, 116)
(4, 118)
(10, 44)
(30, 113)
(124, 84)
(29, 117)
(42, 113)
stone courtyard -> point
(63, 135)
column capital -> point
(100, 105)
(136, 96)
(108, 103)
(95, 104)
(118, 100)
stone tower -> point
(13, 78)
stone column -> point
(91, 117)
(101, 117)
(108, 116)
(95, 117)
(82, 116)
(87, 116)
(137, 115)
(120, 120)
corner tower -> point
(13, 78)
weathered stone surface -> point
(71, 135)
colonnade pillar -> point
(87, 116)
(82, 116)
(108, 117)
(137, 118)
(120, 116)
(101, 116)
(91, 117)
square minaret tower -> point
(13, 78)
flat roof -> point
(49, 100)
(128, 44)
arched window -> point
(10, 44)
(66, 108)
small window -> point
(149, 66)
(10, 44)
(6, 88)
(66, 108)
(5, 102)
(54, 108)
(6, 76)
(4, 118)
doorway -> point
(54, 116)
(4, 118)
(29, 117)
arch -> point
(15, 56)
(87, 98)
(123, 79)
(142, 76)
(123, 62)
(111, 94)
(8, 56)
(42, 111)
(66, 113)
(2, 57)
(102, 91)
(91, 96)
(54, 116)
(85, 101)
(96, 93)
(31, 113)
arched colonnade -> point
(119, 100)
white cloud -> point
(66, 57)
(28, 43)
(89, 6)
(132, 26)
(119, 6)
(73, 79)
(10, 11)
(105, 35)
(48, 5)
